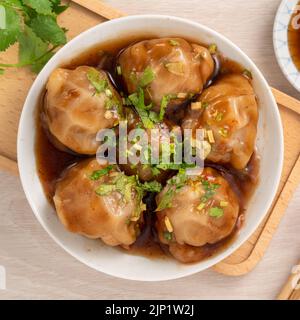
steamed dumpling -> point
(146, 171)
(204, 210)
(228, 111)
(167, 66)
(88, 203)
(79, 103)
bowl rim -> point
(21, 147)
(280, 42)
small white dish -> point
(113, 261)
(280, 41)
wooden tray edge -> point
(268, 231)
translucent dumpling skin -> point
(204, 211)
(74, 111)
(175, 67)
(83, 211)
(230, 111)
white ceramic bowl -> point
(280, 41)
(113, 261)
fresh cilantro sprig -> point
(174, 185)
(33, 24)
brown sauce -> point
(51, 162)
(294, 39)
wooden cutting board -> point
(82, 15)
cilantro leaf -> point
(40, 6)
(10, 33)
(153, 186)
(1, 71)
(94, 77)
(138, 101)
(105, 189)
(174, 185)
(96, 175)
(57, 7)
(216, 212)
(48, 30)
(37, 66)
(147, 77)
(31, 48)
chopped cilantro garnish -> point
(138, 101)
(210, 190)
(168, 235)
(96, 175)
(105, 189)
(153, 186)
(99, 84)
(147, 77)
(216, 212)
(174, 185)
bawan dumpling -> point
(165, 67)
(228, 112)
(78, 103)
(194, 212)
(99, 202)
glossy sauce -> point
(294, 39)
(51, 162)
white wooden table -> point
(37, 268)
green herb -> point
(32, 23)
(174, 43)
(247, 73)
(138, 101)
(174, 166)
(210, 190)
(163, 106)
(97, 82)
(153, 186)
(168, 235)
(155, 171)
(101, 85)
(147, 77)
(96, 175)
(213, 48)
(174, 185)
(216, 212)
(105, 189)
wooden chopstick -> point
(295, 295)
(288, 292)
(100, 8)
(286, 100)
